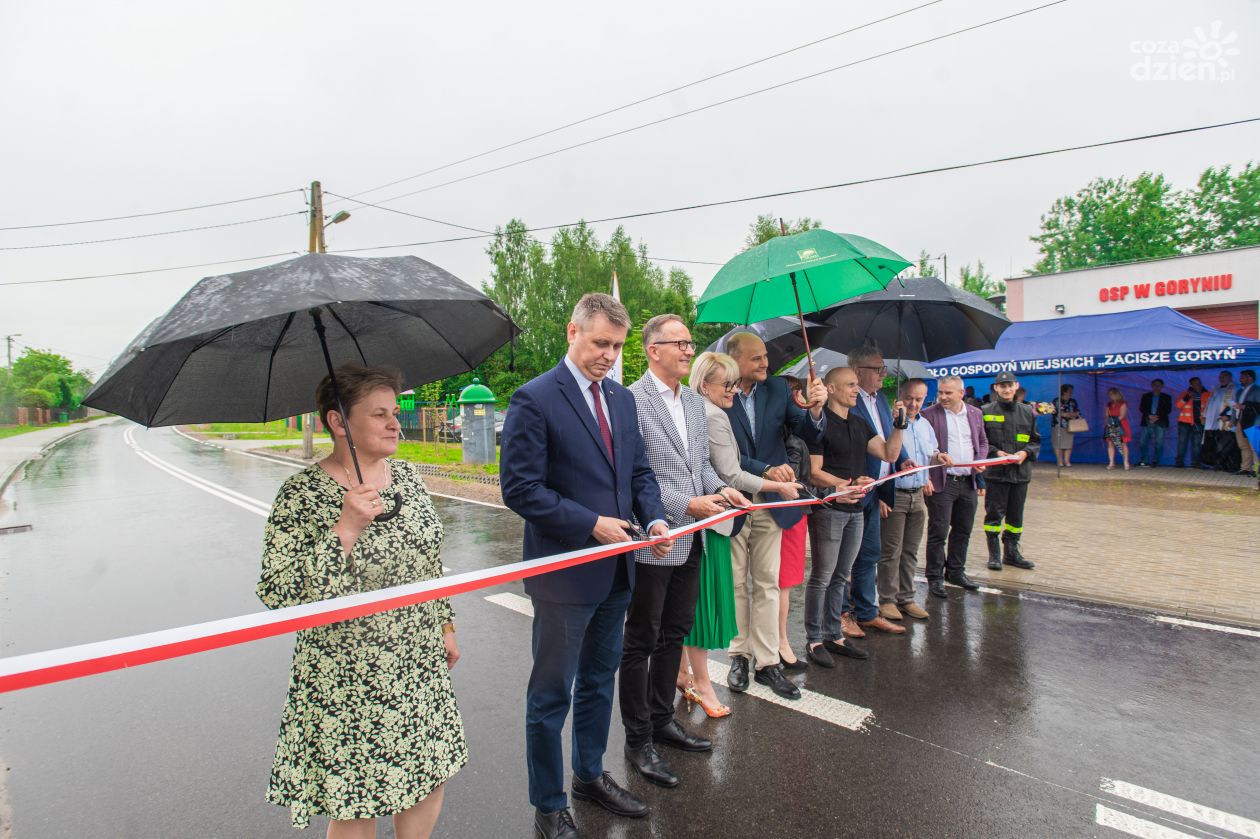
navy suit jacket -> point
(775, 410)
(884, 492)
(555, 473)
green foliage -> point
(1223, 210)
(1117, 220)
(538, 288)
(41, 379)
(766, 227)
(633, 358)
(925, 267)
(979, 282)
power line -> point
(151, 270)
(405, 213)
(646, 99)
(721, 102)
(146, 215)
(150, 235)
(899, 176)
(761, 197)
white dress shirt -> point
(673, 403)
(960, 446)
(584, 385)
(872, 407)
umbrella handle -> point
(800, 401)
(398, 505)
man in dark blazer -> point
(763, 408)
(1156, 406)
(663, 606)
(956, 490)
(872, 407)
(573, 465)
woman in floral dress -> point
(370, 727)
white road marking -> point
(835, 711)
(1134, 826)
(1233, 630)
(985, 589)
(229, 495)
(515, 602)
(1180, 807)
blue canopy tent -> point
(1096, 352)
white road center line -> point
(1180, 807)
(825, 708)
(1233, 630)
(1134, 826)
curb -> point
(8, 476)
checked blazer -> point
(682, 473)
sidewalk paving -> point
(1172, 540)
(15, 451)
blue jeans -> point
(1191, 437)
(577, 649)
(834, 537)
(1153, 435)
(862, 591)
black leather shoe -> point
(799, 664)
(962, 581)
(936, 588)
(737, 679)
(672, 734)
(818, 654)
(605, 792)
(557, 825)
(651, 765)
(846, 649)
(773, 678)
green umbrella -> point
(805, 272)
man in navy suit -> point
(762, 409)
(574, 466)
(872, 407)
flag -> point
(615, 372)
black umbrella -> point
(782, 336)
(252, 346)
(919, 319)
(825, 359)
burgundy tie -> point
(604, 430)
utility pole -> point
(316, 246)
(8, 340)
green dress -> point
(715, 607)
(370, 726)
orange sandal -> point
(693, 697)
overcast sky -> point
(119, 108)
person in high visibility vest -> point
(1011, 427)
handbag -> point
(1078, 425)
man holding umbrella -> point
(574, 466)
(1011, 428)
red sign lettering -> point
(1167, 288)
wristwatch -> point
(448, 628)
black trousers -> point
(951, 513)
(1004, 507)
(662, 610)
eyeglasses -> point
(683, 346)
(729, 387)
(881, 369)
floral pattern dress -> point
(370, 726)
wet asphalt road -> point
(999, 717)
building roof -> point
(1135, 262)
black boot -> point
(1011, 554)
(995, 550)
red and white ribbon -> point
(42, 668)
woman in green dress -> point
(370, 727)
(715, 376)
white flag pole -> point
(615, 372)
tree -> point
(766, 227)
(925, 267)
(978, 282)
(1221, 212)
(1111, 220)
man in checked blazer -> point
(675, 432)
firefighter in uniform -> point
(1012, 430)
